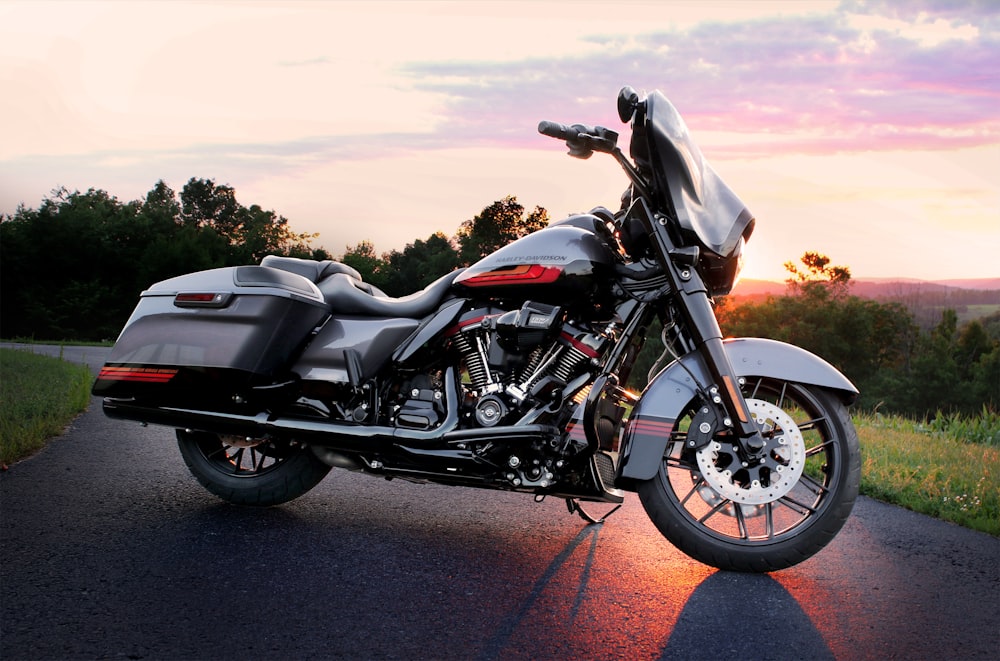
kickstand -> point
(574, 507)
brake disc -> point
(763, 479)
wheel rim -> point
(242, 457)
(759, 505)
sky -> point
(867, 131)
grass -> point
(76, 343)
(39, 395)
(948, 468)
(938, 469)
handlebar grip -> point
(557, 130)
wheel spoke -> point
(694, 489)
(815, 450)
(796, 506)
(769, 520)
(237, 459)
(678, 462)
(781, 397)
(715, 510)
(741, 522)
(809, 425)
(813, 485)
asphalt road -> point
(110, 550)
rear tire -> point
(764, 519)
(260, 473)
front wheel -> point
(766, 514)
(247, 471)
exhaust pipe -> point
(320, 432)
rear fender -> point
(668, 395)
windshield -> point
(705, 205)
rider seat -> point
(346, 293)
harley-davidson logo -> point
(535, 259)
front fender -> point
(667, 396)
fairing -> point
(704, 204)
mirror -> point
(628, 101)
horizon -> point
(866, 131)
(994, 282)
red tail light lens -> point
(202, 299)
(141, 374)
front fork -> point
(696, 308)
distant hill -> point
(879, 287)
(970, 298)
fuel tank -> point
(564, 263)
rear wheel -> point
(767, 514)
(250, 471)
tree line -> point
(73, 269)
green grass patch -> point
(75, 343)
(980, 311)
(934, 471)
(39, 395)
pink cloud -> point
(836, 86)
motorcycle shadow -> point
(744, 615)
(726, 615)
(490, 577)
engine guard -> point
(666, 397)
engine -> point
(518, 368)
(521, 359)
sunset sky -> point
(868, 131)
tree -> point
(419, 264)
(496, 226)
(366, 261)
(251, 232)
(63, 276)
(818, 274)
(74, 267)
(205, 203)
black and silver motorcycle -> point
(511, 374)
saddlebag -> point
(212, 335)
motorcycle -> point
(511, 374)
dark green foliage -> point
(74, 267)
(419, 264)
(496, 226)
(400, 273)
(363, 258)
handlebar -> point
(556, 130)
(582, 140)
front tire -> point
(250, 471)
(767, 518)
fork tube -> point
(704, 328)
